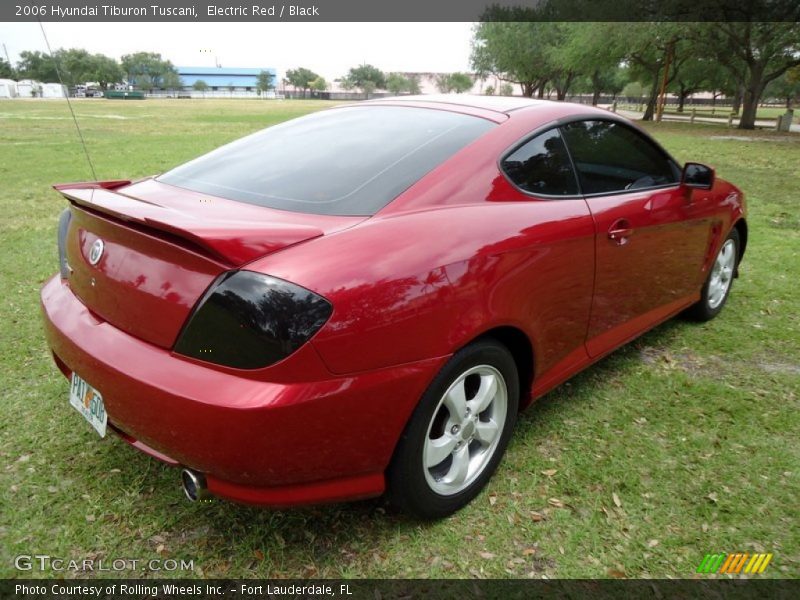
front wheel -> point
(457, 434)
(718, 284)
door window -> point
(612, 157)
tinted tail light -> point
(248, 320)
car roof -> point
(502, 104)
(495, 108)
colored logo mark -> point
(735, 563)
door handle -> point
(620, 231)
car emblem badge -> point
(96, 252)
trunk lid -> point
(160, 247)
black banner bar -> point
(395, 11)
(461, 589)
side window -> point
(542, 166)
(611, 157)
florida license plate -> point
(89, 403)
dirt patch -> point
(686, 361)
(778, 367)
(711, 365)
(747, 138)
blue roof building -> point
(224, 77)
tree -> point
(200, 86)
(397, 83)
(443, 83)
(264, 81)
(413, 83)
(609, 81)
(512, 51)
(144, 82)
(566, 59)
(506, 89)
(648, 48)
(6, 70)
(516, 45)
(75, 66)
(146, 70)
(301, 78)
(319, 84)
(489, 91)
(345, 83)
(754, 53)
(720, 83)
(582, 49)
(786, 88)
(36, 65)
(461, 82)
(104, 70)
(634, 90)
(171, 81)
(367, 78)
(693, 77)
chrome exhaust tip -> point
(194, 485)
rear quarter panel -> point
(424, 284)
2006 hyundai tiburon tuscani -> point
(362, 300)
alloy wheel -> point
(722, 274)
(465, 430)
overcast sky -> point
(330, 49)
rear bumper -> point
(261, 442)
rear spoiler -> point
(234, 242)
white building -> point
(8, 88)
(53, 90)
(28, 88)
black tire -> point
(706, 309)
(408, 483)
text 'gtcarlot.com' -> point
(44, 562)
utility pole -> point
(662, 97)
(5, 51)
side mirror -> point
(698, 176)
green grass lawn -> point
(683, 443)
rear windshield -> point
(345, 161)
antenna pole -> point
(69, 104)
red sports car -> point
(362, 300)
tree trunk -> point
(682, 100)
(749, 107)
(752, 94)
(561, 91)
(737, 100)
(651, 102)
(596, 88)
(540, 93)
(527, 89)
